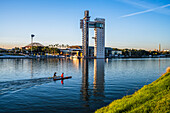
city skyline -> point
(129, 24)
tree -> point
(62, 45)
(56, 45)
(67, 45)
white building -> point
(116, 53)
(166, 50)
(99, 47)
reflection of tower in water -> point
(98, 83)
(85, 83)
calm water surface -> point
(25, 87)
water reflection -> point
(32, 68)
(96, 92)
(98, 83)
(76, 63)
(85, 83)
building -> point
(108, 51)
(99, 27)
(99, 47)
(116, 52)
(166, 50)
(159, 47)
(35, 44)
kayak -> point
(53, 77)
(60, 78)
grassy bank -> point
(153, 98)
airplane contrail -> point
(149, 10)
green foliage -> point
(166, 53)
(135, 52)
(47, 49)
(14, 54)
(152, 98)
(3, 51)
(50, 50)
(140, 52)
(116, 49)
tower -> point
(99, 27)
(159, 47)
(84, 25)
(99, 47)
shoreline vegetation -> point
(35, 50)
(23, 56)
(152, 98)
(60, 56)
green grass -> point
(152, 98)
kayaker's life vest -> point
(62, 75)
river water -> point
(25, 86)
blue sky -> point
(129, 23)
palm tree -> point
(62, 45)
(49, 45)
(56, 45)
(67, 45)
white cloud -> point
(146, 11)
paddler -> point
(62, 75)
(54, 74)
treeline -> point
(42, 50)
(50, 49)
(140, 52)
(35, 50)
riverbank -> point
(153, 98)
(59, 56)
(29, 57)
